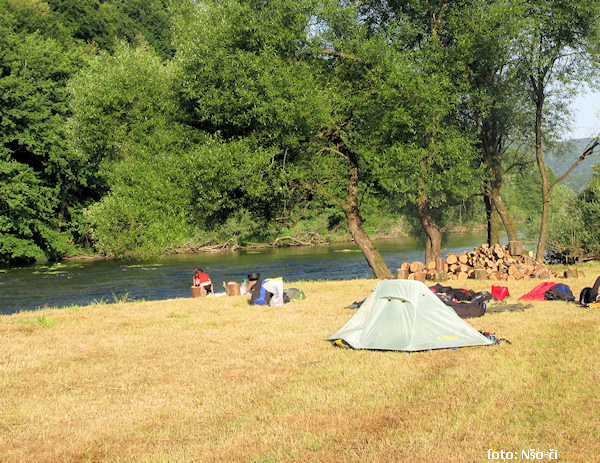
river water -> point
(166, 277)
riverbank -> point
(280, 242)
(396, 232)
(217, 380)
(232, 245)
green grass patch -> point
(178, 315)
(40, 321)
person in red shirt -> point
(202, 279)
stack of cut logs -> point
(485, 263)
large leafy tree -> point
(476, 38)
(245, 80)
(254, 75)
(349, 60)
(125, 121)
(485, 35)
(431, 162)
(557, 49)
(46, 183)
(412, 144)
(42, 180)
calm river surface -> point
(82, 283)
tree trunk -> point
(507, 221)
(362, 240)
(546, 187)
(493, 221)
(489, 140)
(433, 240)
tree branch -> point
(339, 54)
(520, 164)
(589, 151)
(327, 148)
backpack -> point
(589, 294)
(293, 294)
(259, 295)
(559, 292)
(586, 296)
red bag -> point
(500, 292)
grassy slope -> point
(216, 380)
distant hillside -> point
(563, 157)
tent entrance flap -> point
(392, 326)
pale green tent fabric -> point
(406, 315)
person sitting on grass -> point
(202, 279)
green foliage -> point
(122, 298)
(124, 119)
(105, 22)
(423, 146)
(147, 125)
(575, 233)
(41, 178)
(45, 182)
(239, 75)
(522, 187)
(244, 80)
(178, 315)
(229, 176)
(564, 155)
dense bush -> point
(574, 233)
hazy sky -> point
(586, 109)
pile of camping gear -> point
(466, 303)
(470, 304)
(484, 263)
(549, 291)
(269, 291)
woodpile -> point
(484, 263)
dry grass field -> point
(214, 379)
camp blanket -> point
(518, 307)
(468, 309)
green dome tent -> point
(406, 315)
